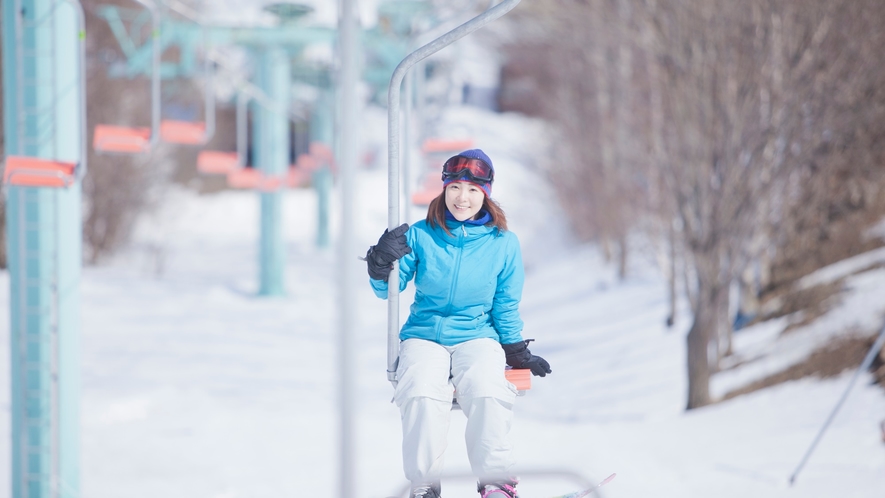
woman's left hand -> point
(519, 356)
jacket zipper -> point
(454, 283)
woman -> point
(463, 326)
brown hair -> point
(436, 213)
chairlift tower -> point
(273, 48)
(270, 139)
(44, 134)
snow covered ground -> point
(193, 387)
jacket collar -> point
(464, 232)
(484, 217)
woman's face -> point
(464, 200)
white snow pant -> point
(428, 374)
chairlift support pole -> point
(271, 150)
(348, 114)
(44, 104)
(393, 157)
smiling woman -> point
(464, 200)
(464, 327)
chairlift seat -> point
(254, 179)
(244, 178)
(110, 138)
(307, 162)
(217, 162)
(322, 152)
(297, 177)
(183, 132)
(25, 171)
(519, 377)
(439, 145)
(432, 187)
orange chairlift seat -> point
(233, 164)
(27, 171)
(129, 140)
(111, 138)
(430, 189)
(183, 132)
(193, 132)
(519, 377)
(216, 162)
(254, 179)
(35, 172)
(319, 155)
(442, 145)
(434, 149)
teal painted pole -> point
(42, 118)
(271, 151)
(322, 126)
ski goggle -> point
(476, 170)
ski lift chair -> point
(521, 378)
(301, 172)
(28, 171)
(194, 132)
(436, 150)
(226, 163)
(136, 140)
(25, 171)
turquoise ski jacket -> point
(468, 285)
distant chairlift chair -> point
(436, 150)
(233, 164)
(27, 171)
(136, 140)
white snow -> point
(195, 387)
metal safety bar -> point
(82, 165)
(393, 153)
(207, 130)
(156, 53)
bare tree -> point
(572, 47)
(746, 117)
(119, 187)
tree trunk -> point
(703, 329)
(671, 277)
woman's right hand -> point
(390, 247)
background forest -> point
(745, 138)
(697, 186)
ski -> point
(586, 492)
(577, 494)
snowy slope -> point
(194, 387)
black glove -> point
(390, 247)
(519, 356)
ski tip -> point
(608, 479)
